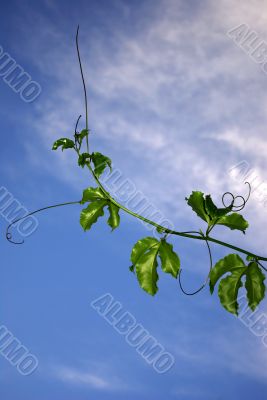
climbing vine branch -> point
(148, 251)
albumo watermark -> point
(11, 210)
(134, 333)
(255, 321)
(126, 192)
(250, 42)
(16, 354)
(17, 79)
(243, 172)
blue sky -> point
(176, 104)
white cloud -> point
(158, 99)
(248, 144)
(92, 378)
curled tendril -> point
(9, 234)
(76, 125)
(207, 278)
(236, 198)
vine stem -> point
(162, 229)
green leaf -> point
(227, 264)
(207, 210)
(254, 285)
(228, 290)
(141, 247)
(197, 202)
(170, 261)
(64, 142)
(84, 159)
(229, 286)
(234, 221)
(146, 270)
(83, 133)
(92, 194)
(114, 218)
(144, 262)
(96, 196)
(90, 214)
(100, 163)
(80, 136)
(213, 211)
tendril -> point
(207, 278)
(84, 87)
(235, 198)
(260, 264)
(76, 125)
(9, 234)
(76, 134)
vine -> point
(147, 252)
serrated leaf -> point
(83, 133)
(114, 217)
(146, 270)
(64, 142)
(254, 285)
(170, 261)
(197, 202)
(146, 264)
(83, 159)
(229, 286)
(234, 221)
(208, 211)
(101, 162)
(141, 247)
(228, 290)
(90, 214)
(210, 207)
(92, 194)
(80, 136)
(227, 264)
(213, 211)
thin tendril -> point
(8, 233)
(207, 278)
(200, 236)
(76, 125)
(260, 264)
(234, 198)
(84, 87)
(76, 135)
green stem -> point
(169, 231)
(206, 237)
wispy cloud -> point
(162, 95)
(91, 377)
